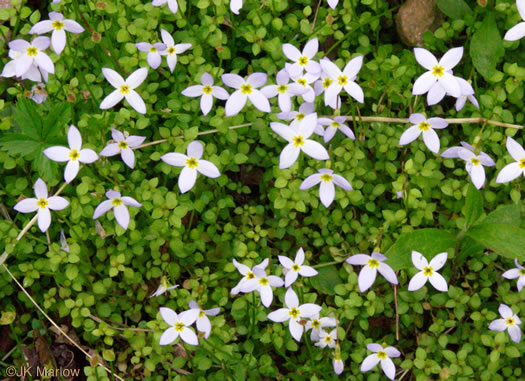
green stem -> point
(326, 264)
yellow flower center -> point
(42, 203)
(57, 24)
(294, 312)
(32, 51)
(116, 202)
(336, 125)
(74, 155)
(316, 323)
(124, 89)
(509, 321)
(207, 89)
(327, 82)
(299, 116)
(326, 177)
(282, 89)
(264, 281)
(438, 71)
(381, 355)
(522, 272)
(298, 141)
(179, 327)
(296, 267)
(192, 163)
(475, 161)
(201, 314)
(428, 270)
(328, 339)
(303, 60)
(301, 81)
(522, 163)
(246, 88)
(342, 80)
(122, 144)
(250, 275)
(424, 126)
(153, 49)
(373, 263)
(171, 50)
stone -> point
(414, 18)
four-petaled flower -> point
(118, 204)
(283, 90)
(298, 140)
(334, 125)
(439, 79)
(422, 125)
(513, 170)
(125, 89)
(192, 164)
(518, 30)
(342, 80)
(59, 26)
(382, 355)
(316, 324)
(123, 145)
(32, 53)
(74, 155)
(510, 322)
(293, 313)
(154, 52)
(179, 326)
(172, 49)
(203, 323)
(327, 178)
(518, 272)
(262, 283)
(295, 268)
(327, 339)
(372, 264)
(428, 272)
(41, 204)
(302, 60)
(206, 91)
(474, 165)
(245, 89)
(247, 273)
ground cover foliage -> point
(404, 198)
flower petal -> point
(113, 77)
(515, 149)
(174, 158)
(288, 156)
(40, 189)
(169, 316)
(290, 299)
(509, 173)
(327, 193)
(259, 101)
(280, 315)
(44, 219)
(439, 283)
(367, 276)
(389, 368)
(87, 156)
(129, 201)
(438, 261)
(235, 103)
(58, 40)
(206, 103)
(417, 281)
(423, 83)
(102, 208)
(27, 205)
(315, 150)
(291, 52)
(310, 181)
(425, 58)
(187, 334)
(232, 80)
(111, 100)
(296, 329)
(122, 216)
(57, 153)
(187, 179)
(515, 333)
(136, 101)
(387, 272)
(71, 170)
(369, 362)
(411, 134)
(358, 259)
(169, 336)
(516, 32)
(498, 325)
(137, 77)
(128, 157)
(431, 140)
(257, 79)
(505, 311)
(451, 58)
(207, 168)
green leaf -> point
(16, 144)
(486, 47)
(326, 280)
(28, 119)
(504, 239)
(473, 208)
(504, 214)
(428, 242)
(56, 120)
(455, 9)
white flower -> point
(163, 288)
(428, 272)
(438, 72)
(304, 81)
(327, 339)
(179, 326)
(518, 30)
(327, 178)
(59, 26)
(118, 204)
(38, 93)
(295, 268)
(235, 5)
(172, 50)
(262, 283)
(294, 313)
(42, 203)
(475, 165)
(424, 126)
(334, 125)
(509, 322)
(372, 264)
(172, 4)
(246, 89)
(518, 272)
(333, 4)
(123, 145)
(203, 323)
(153, 50)
(74, 155)
(298, 141)
(467, 92)
(342, 80)
(284, 90)
(381, 355)
(125, 89)
(302, 60)
(320, 87)
(296, 116)
(337, 362)
(192, 164)
(34, 73)
(63, 242)
(206, 91)
(32, 53)
(247, 273)
(513, 170)
(317, 324)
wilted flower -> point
(59, 26)
(123, 145)
(510, 322)
(125, 89)
(38, 93)
(372, 264)
(118, 204)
